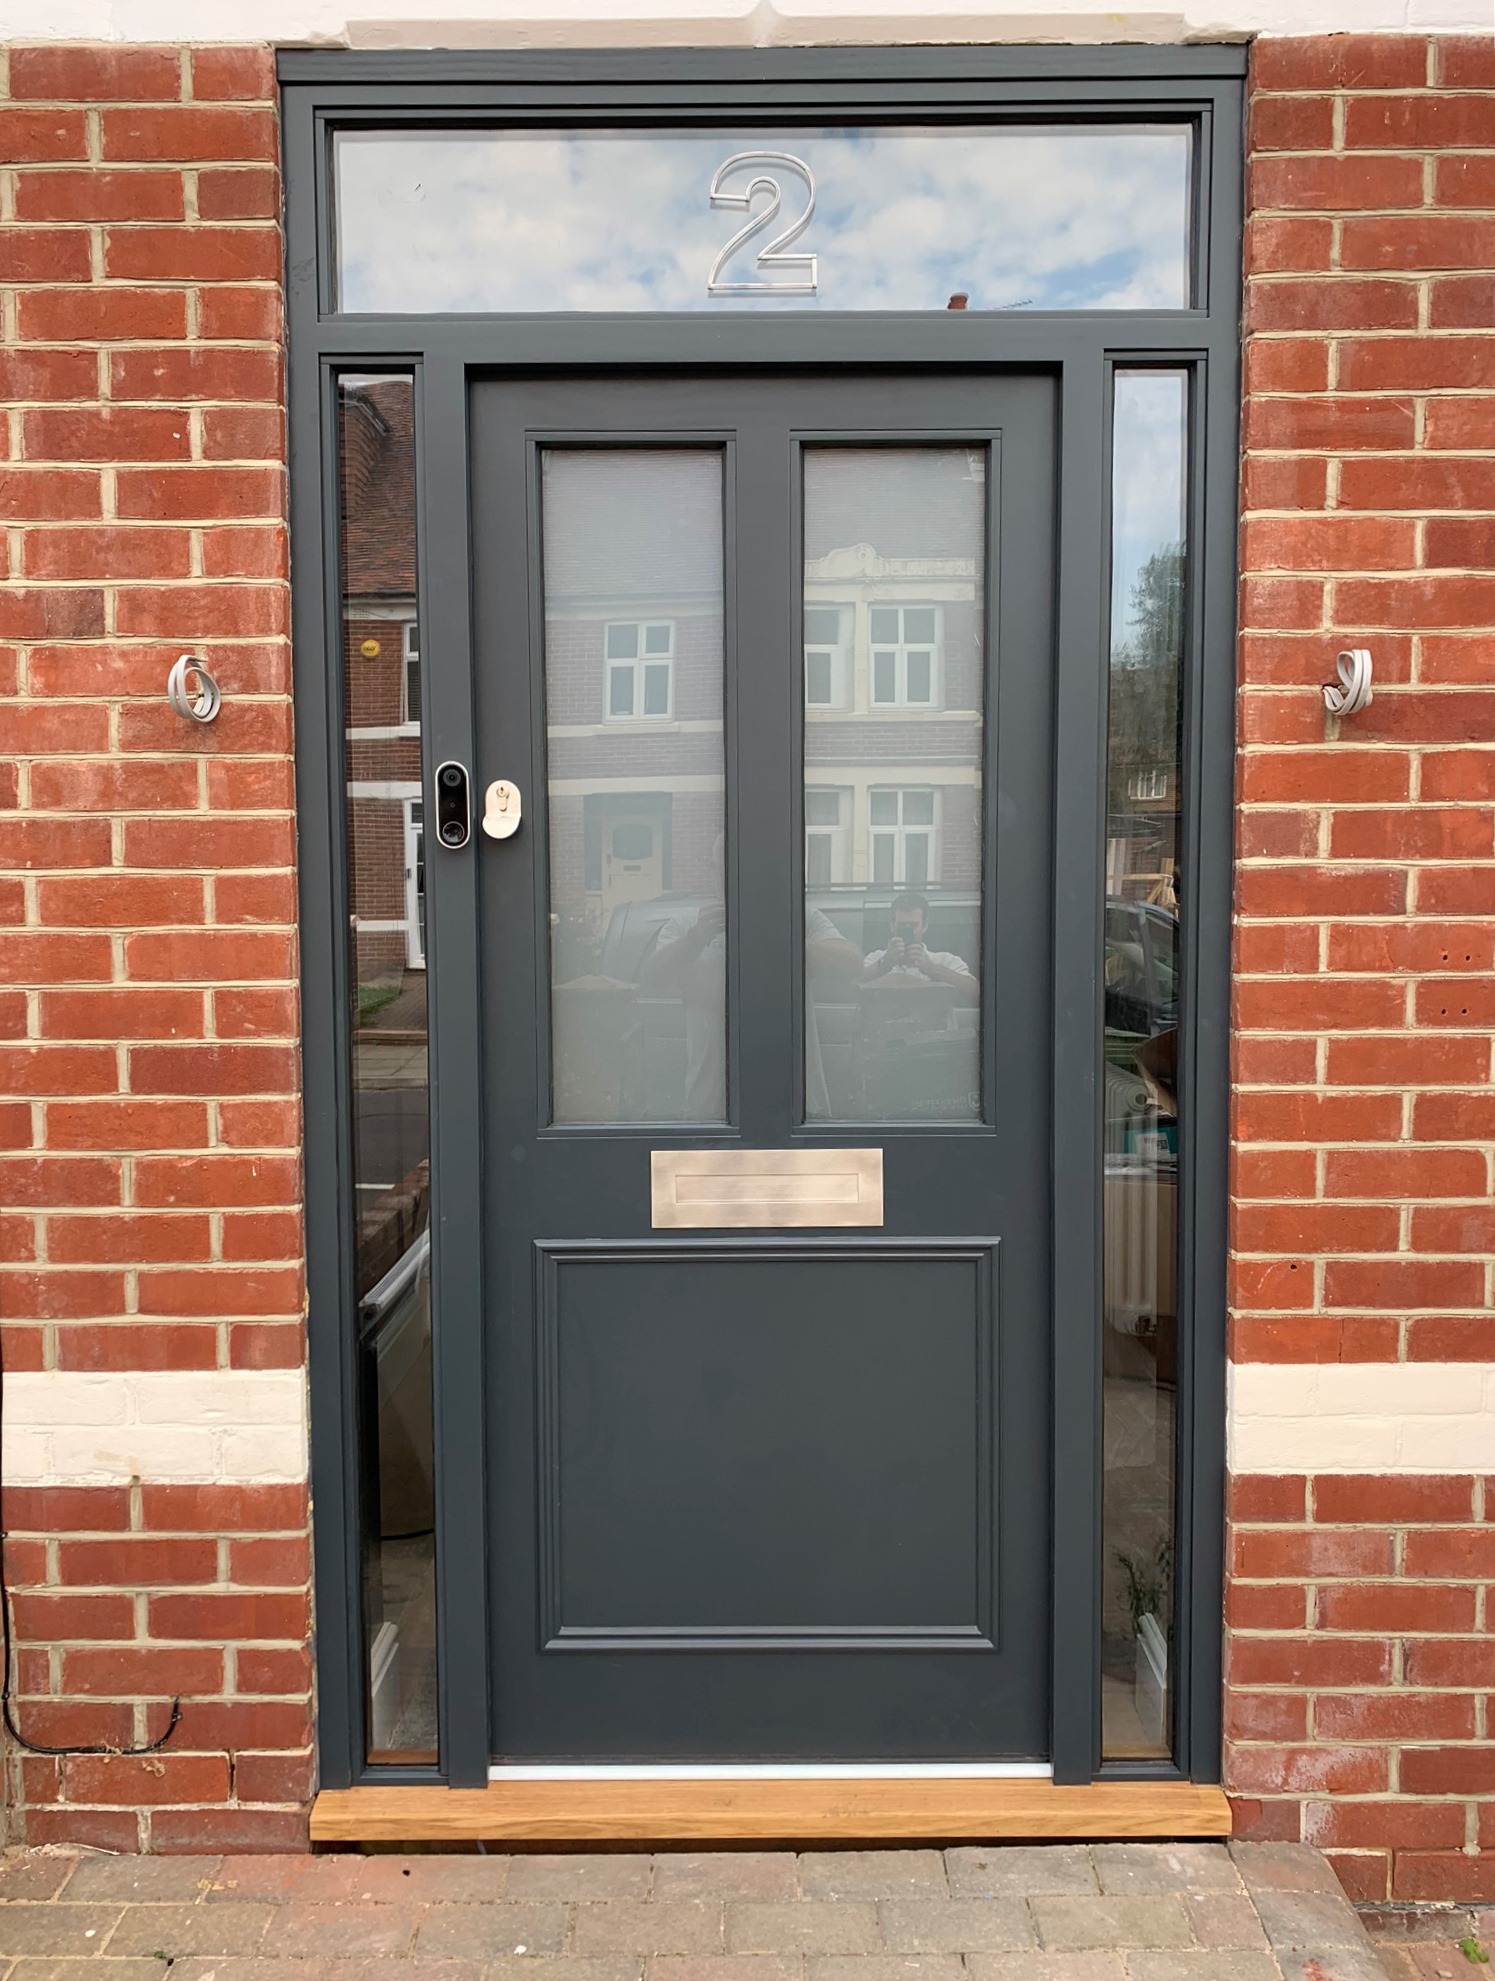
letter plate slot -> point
(775, 1189)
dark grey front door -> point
(770, 661)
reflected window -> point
(391, 1155)
(640, 669)
(410, 713)
(905, 646)
(632, 565)
(895, 665)
(827, 656)
(912, 217)
(1140, 961)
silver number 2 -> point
(801, 271)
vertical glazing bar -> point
(456, 1088)
(1079, 878)
(1209, 760)
(323, 919)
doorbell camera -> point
(453, 806)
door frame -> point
(321, 89)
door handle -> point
(502, 808)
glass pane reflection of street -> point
(1140, 949)
(894, 667)
(390, 1077)
(633, 712)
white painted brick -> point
(94, 1458)
(52, 1397)
(28, 1457)
(63, 1427)
(260, 1454)
(1362, 1417)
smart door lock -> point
(453, 806)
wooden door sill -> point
(785, 1812)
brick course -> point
(151, 1174)
(1356, 1717)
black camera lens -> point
(451, 777)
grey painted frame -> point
(321, 88)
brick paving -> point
(1058, 1912)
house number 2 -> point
(781, 274)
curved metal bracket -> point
(198, 702)
(1353, 693)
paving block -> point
(60, 1968)
(888, 1967)
(490, 1932)
(646, 1927)
(1019, 1870)
(174, 1930)
(725, 1967)
(36, 1875)
(27, 1928)
(143, 1880)
(1334, 1964)
(842, 1927)
(1074, 1924)
(1308, 1922)
(761, 1874)
(1283, 1867)
(545, 1967)
(582, 1876)
(1201, 1966)
(1224, 1919)
(333, 1968)
(271, 1879)
(1125, 1869)
(321, 1929)
(1045, 1967)
(955, 1925)
(872, 1874)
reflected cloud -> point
(1051, 218)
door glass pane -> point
(390, 1158)
(893, 940)
(980, 217)
(1140, 956)
(632, 556)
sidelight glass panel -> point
(893, 784)
(632, 555)
(1141, 965)
(390, 1157)
(917, 217)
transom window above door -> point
(997, 216)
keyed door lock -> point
(502, 808)
(453, 806)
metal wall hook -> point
(1353, 693)
(199, 701)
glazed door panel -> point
(771, 663)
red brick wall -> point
(148, 1062)
(1360, 1660)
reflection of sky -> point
(1049, 218)
(1148, 482)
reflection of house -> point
(633, 658)
(893, 668)
(381, 677)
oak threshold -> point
(778, 1811)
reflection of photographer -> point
(908, 960)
